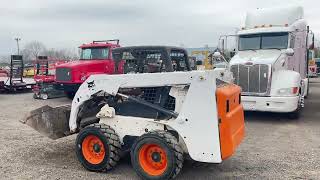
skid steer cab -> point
(160, 118)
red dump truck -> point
(95, 58)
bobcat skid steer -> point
(161, 118)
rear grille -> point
(63, 74)
(253, 80)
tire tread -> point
(114, 143)
(173, 143)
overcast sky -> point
(69, 23)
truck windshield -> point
(94, 53)
(263, 41)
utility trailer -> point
(15, 81)
(157, 110)
(44, 76)
(271, 60)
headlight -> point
(83, 77)
(293, 91)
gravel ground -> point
(274, 148)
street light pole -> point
(18, 39)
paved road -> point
(275, 147)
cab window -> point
(94, 53)
(178, 60)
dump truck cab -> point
(271, 60)
(95, 58)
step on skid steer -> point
(159, 117)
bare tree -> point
(33, 49)
(62, 54)
(27, 56)
(4, 60)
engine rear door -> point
(231, 118)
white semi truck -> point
(270, 63)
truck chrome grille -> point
(253, 79)
(63, 74)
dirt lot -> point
(274, 148)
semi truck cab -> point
(95, 58)
(271, 60)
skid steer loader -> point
(161, 118)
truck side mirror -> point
(232, 53)
(289, 52)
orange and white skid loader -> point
(161, 118)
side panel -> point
(197, 122)
(133, 126)
(300, 57)
(306, 86)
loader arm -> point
(110, 84)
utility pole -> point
(18, 39)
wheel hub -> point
(156, 157)
(153, 159)
(96, 148)
(93, 149)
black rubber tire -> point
(295, 114)
(166, 141)
(70, 95)
(44, 96)
(111, 144)
(308, 89)
(35, 96)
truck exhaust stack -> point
(52, 122)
